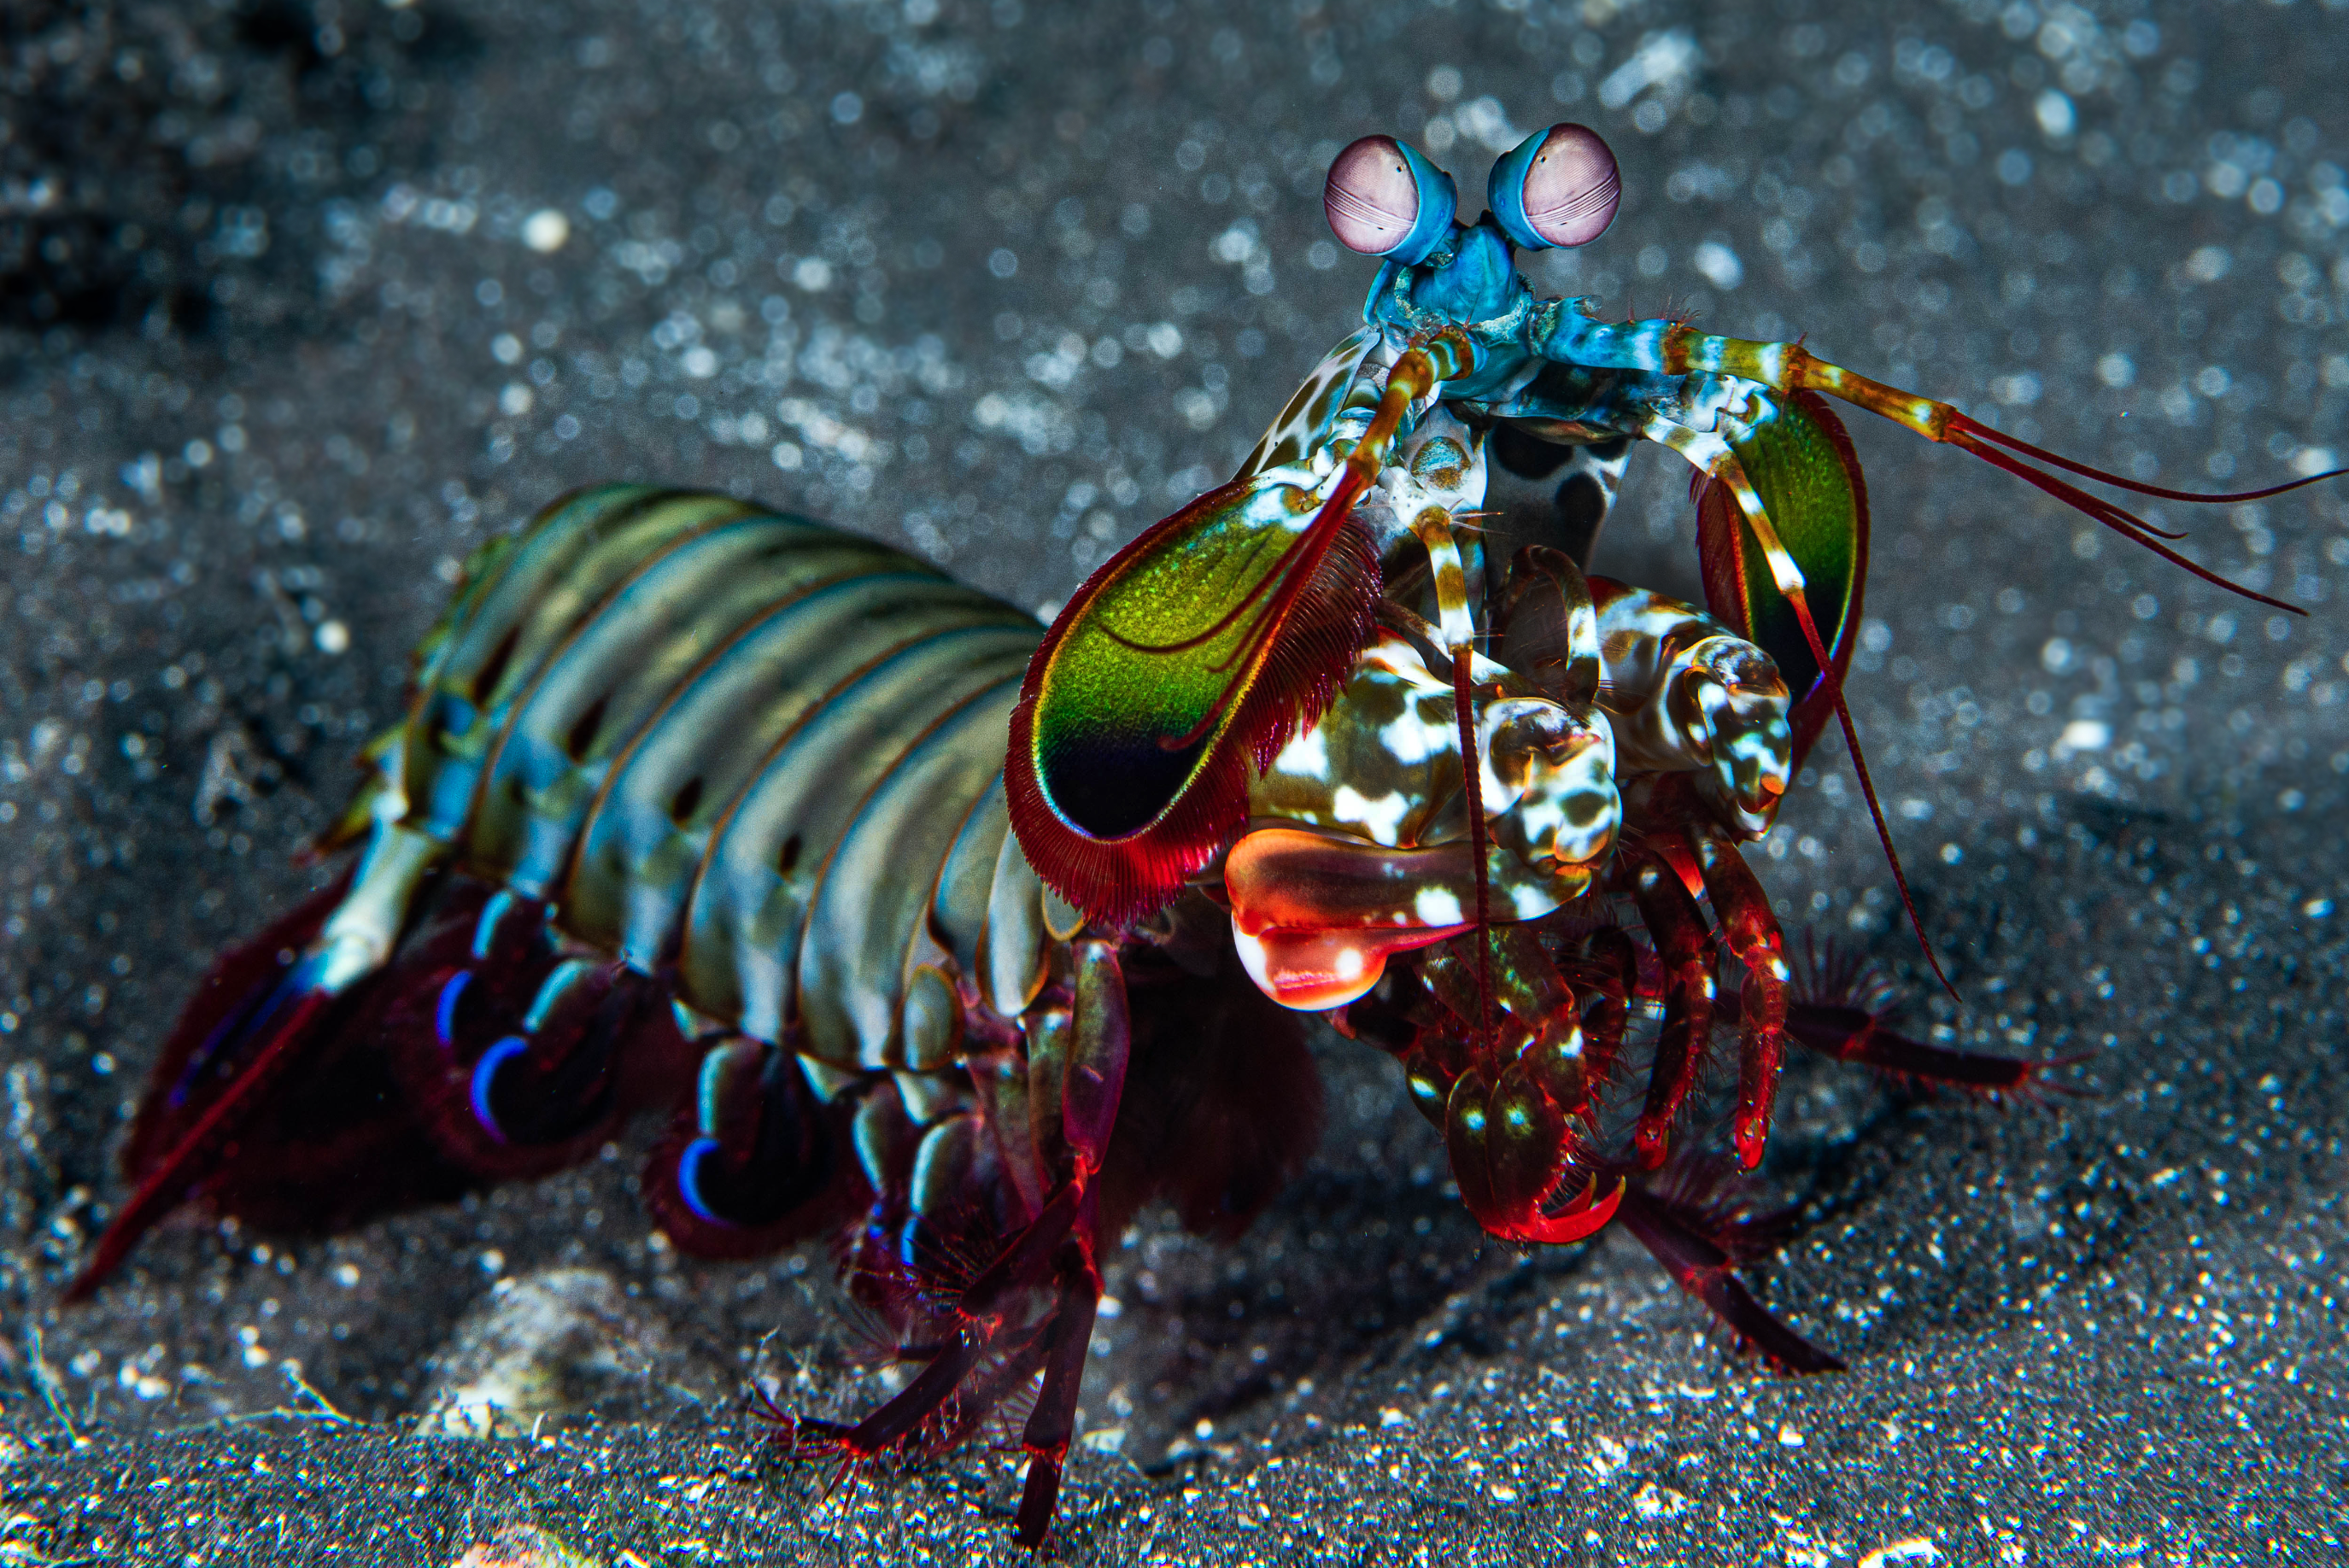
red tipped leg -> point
(1700, 1253)
(1855, 1034)
(1685, 946)
(1052, 1424)
(1751, 931)
(1032, 1308)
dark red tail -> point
(480, 1053)
(249, 1021)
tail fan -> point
(256, 1014)
(478, 1052)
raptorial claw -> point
(1577, 1222)
(1684, 695)
(1512, 1142)
(1685, 947)
(1750, 932)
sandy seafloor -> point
(283, 335)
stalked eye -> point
(1560, 187)
(1385, 198)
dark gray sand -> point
(298, 302)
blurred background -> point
(302, 299)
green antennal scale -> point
(1192, 655)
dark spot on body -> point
(1527, 456)
(582, 733)
(681, 810)
(1581, 503)
(485, 683)
(789, 860)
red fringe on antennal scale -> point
(1313, 619)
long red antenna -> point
(1834, 678)
(1977, 437)
(1976, 428)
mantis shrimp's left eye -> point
(1385, 198)
(1558, 187)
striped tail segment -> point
(424, 1027)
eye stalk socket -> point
(1557, 186)
(1385, 198)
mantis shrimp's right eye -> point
(1385, 198)
(1558, 187)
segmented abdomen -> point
(737, 743)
